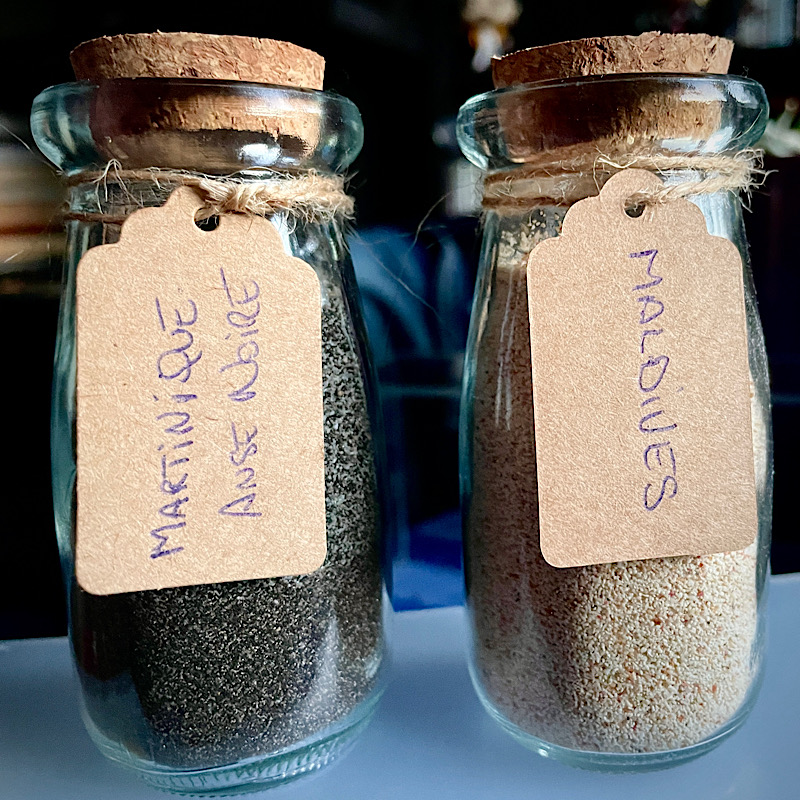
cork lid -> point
(198, 55)
(543, 123)
(210, 114)
(648, 52)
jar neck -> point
(113, 195)
(562, 183)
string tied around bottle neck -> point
(308, 196)
(564, 182)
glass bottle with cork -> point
(213, 432)
(616, 480)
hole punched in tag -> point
(634, 204)
(205, 221)
(634, 208)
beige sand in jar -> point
(630, 657)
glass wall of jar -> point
(622, 666)
(229, 687)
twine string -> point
(309, 196)
(565, 182)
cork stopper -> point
(571, 121)
(198, 55)
(614, 55)
(194, 124)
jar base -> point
(250, 775)
(598, 761)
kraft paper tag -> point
(199, 405)
(641, 384)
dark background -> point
(406, 64)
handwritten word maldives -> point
(659, 453)
(175, 364)
(242, 317)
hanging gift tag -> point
(199, 405)
(641, 383)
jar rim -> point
(269, 126)
(687, 78)
(196, 82)
(509, 126)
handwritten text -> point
(659, 453)
(175, 364)
(242, 318)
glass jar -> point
(229, 687)
(622, 666)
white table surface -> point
(429, 740)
